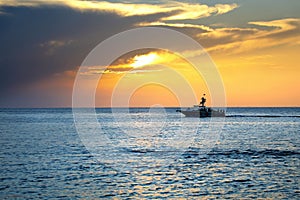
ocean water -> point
(146, 153)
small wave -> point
(241, 180)
(140, 150)
(234, 152)
(250, 152)
(136, 150)
(229, 153)
(270, 116)
(239, 153)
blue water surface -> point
(255, 155)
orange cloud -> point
(178, 11)
(140, 63)
(176, 25)
(266, 34)
(196, 11)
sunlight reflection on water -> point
(43, 157)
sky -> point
(254, 44)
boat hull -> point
(203, 113)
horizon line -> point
(67, 107)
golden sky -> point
(255, 46)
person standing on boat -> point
(203, 100)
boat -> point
(202, 111)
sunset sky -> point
(255, 45)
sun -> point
(142, 60)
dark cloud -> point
(38, 42)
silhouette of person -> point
(203, 100)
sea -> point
(149, 153)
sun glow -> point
(142, 60)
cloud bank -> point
(178, 10)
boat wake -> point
(270, 116)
